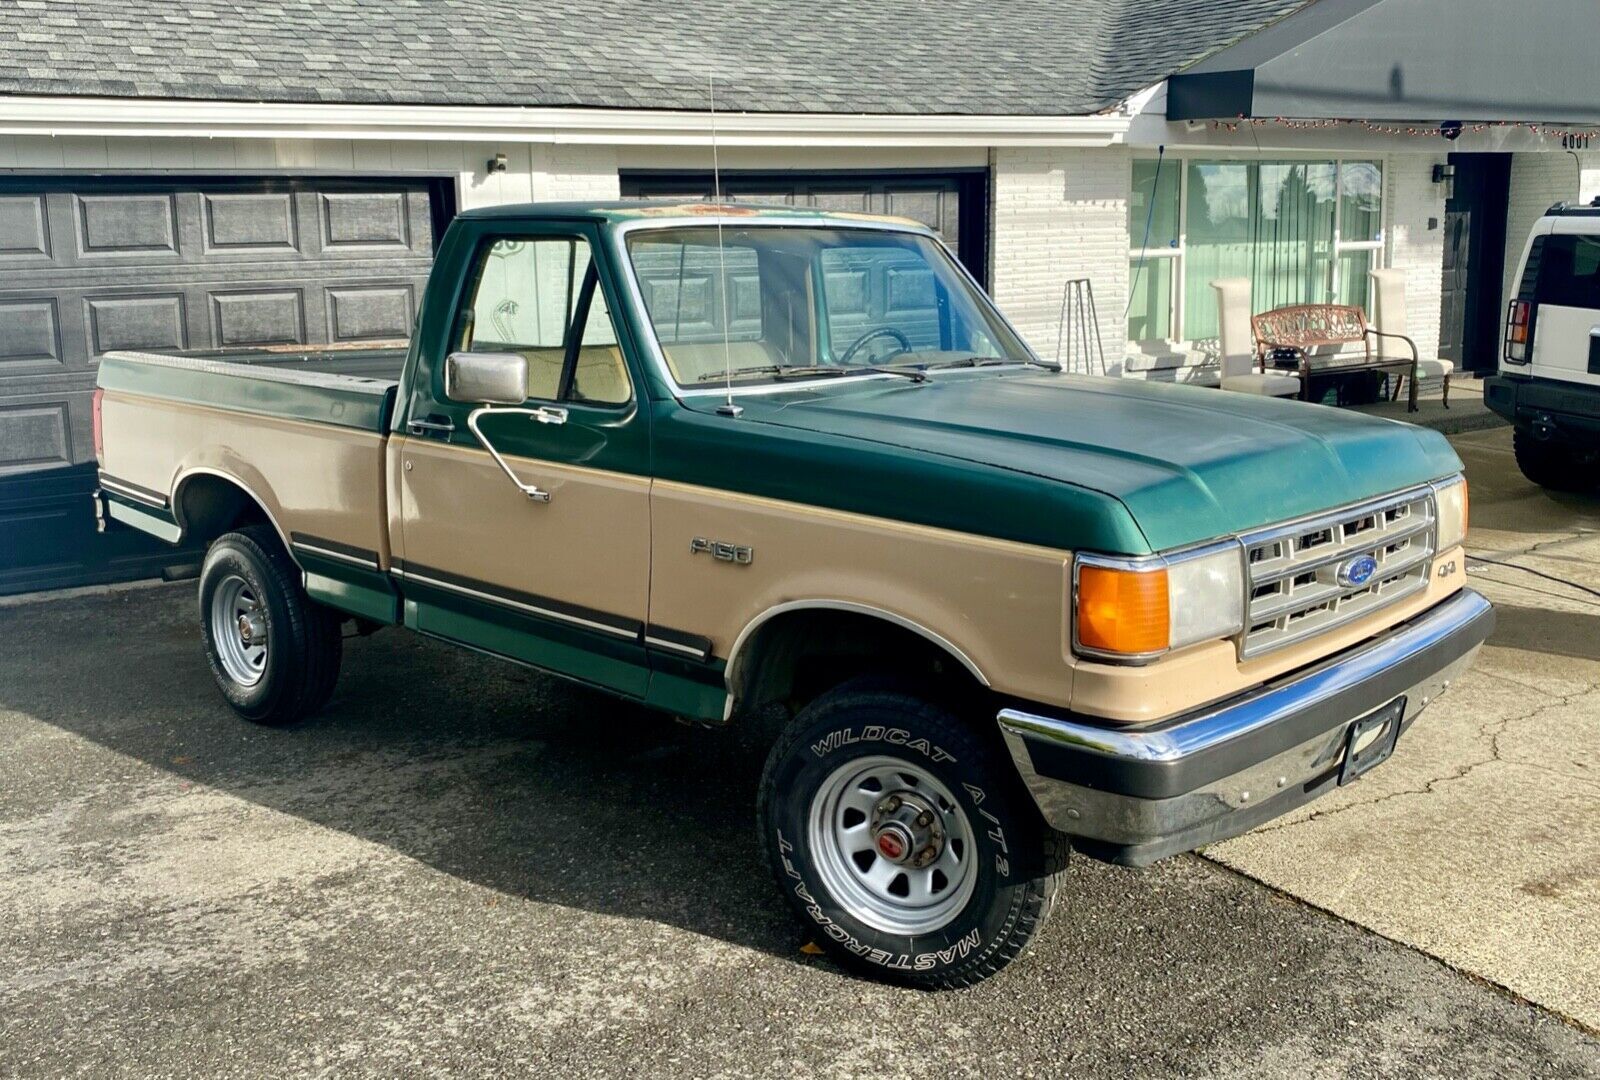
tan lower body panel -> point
(588, 546)
(998, 603)
(318, 480)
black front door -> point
(1474, 261)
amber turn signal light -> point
(1123, 611)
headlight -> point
(1450, 502)
(1137, 609)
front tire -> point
(903, 840)
(274, 652)
(1556, 465)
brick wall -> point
(1415, 241)
(1059, 214)
(578, 173)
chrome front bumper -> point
(1135, 795)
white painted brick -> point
(1415, 241)
(1060, 213)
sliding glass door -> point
(1299, 231)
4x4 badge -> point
(733, 553)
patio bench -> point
(1293, 332)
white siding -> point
(1060, 214)
(532, 171)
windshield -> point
(810, 302)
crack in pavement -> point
(1492, 731)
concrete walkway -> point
(1479, 842)
(1467, 412)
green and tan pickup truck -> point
(781, 466)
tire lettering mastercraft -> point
(918, 962)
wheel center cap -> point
(894, 842)
(250, 630)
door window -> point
(540, 297)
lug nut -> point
(892, 804)
(924, 819)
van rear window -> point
(1569, 271)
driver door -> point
(563, 584)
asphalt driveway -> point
(463, 867)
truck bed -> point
(346, 385)
(300, 432)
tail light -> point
(1518, 321)
(99, 428)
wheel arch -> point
(208, 502)
(768, 658)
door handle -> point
(533, 492)
(550, 414)
(431, 425)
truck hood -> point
(1190, 464)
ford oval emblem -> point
(1357, 571)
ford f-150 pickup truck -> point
(710, 458)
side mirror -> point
(486, 378)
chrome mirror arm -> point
(545, 415)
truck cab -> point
(782, 467)
(1548, 384)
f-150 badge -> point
(733, 553)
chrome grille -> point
(1294, 582)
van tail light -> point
(99, 428)
(1518, 320)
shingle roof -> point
(1063, 57)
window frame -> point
(1176, 314)
(577, 305)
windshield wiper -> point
(986, 361)
(805, 371)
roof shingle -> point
(1002, 57)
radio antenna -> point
(727, 408)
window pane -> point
(522, 302)
(1154, 203)
(1360, 200)
(1353, 280)
(809, 296)
(1150, 314)
(1270, 222)
(1569, 272)
(600, 376)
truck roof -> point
(623, 210)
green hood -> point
(1190, 464)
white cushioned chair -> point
(1239, 345)
(1389, 320)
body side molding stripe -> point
(528, 603)
(134, 491)
(333, 549)
(691, 645)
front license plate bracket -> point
(1371, 740)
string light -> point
(1570, 137)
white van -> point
(1549, 380)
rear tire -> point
(968, 874)
(274, 652)
(1557, 465)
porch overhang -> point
(1405, 60)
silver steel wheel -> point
(892, 845)
(239, 630)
